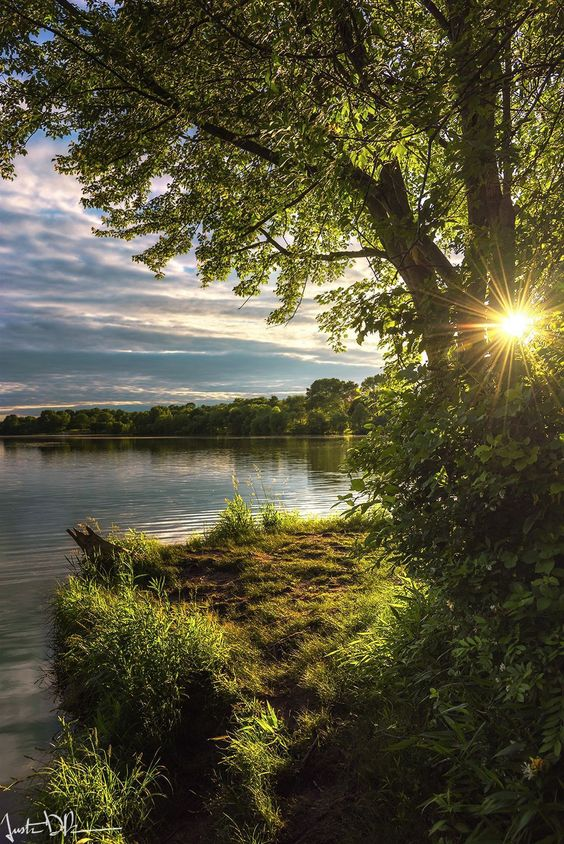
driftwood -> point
(96, 548)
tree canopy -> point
(285, 139)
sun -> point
(517, 325)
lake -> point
(166, 487)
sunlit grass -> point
(108, 800)
(128, 661)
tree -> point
(330, 394)
(11, 424)
(358, 415)
(53, 421)
(295, 137)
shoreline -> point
(78, 436)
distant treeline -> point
(329, 406)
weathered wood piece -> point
(102, 552)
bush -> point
(471, 481)
(133, 666)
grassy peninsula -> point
(210, 687)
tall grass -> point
(132, 665)
(256, 754)
(238, 524)
(109, 803)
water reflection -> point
(167, 487)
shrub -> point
(471, 481)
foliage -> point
(83, 777)
(278, 139)
(330, 406)
(473, 486)
(133, 665)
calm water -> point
(168, 488)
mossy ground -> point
(285, 601)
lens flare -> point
(518, 325)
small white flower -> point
(528, 772)
(533, 767)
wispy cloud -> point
(76, 307)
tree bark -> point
(490, 254)
(102, 552)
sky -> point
(82, 325)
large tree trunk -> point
(490, 254)
(417, 259)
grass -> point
(257, 751)
(224, 655)
(133, 664)
(108, 804)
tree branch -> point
(241, 143)
(352, 254)
(439, 16)
(337, 255)
(71, 9)
(275, 243)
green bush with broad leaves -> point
(471, 479)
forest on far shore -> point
(329, 406)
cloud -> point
(75, 306)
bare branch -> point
(241, 143)
(352, 254)
(275, 243)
